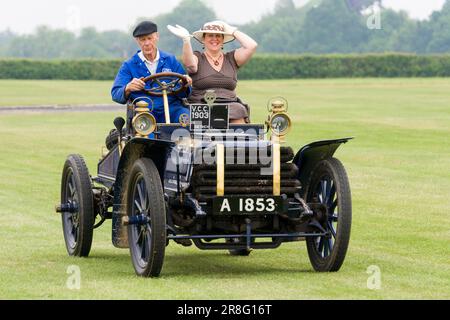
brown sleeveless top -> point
(223, 82)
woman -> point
(214, 69)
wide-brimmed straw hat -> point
(213, 27)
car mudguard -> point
(311, 154)
(158, 151)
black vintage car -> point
(208, 182)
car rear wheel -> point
(78, 216)
(146, 208)
(329, 186)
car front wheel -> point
(329, 186)
(147, 214)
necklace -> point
(216, 61)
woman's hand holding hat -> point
(227, 28)
(179, 31)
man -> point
(128, 84)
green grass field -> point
(398, 167)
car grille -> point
(245, 179)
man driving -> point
(129, 84)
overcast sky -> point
(23, 16)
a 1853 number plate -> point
(235, 205)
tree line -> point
(319, 27)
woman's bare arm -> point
(190, 61)
(243, 54)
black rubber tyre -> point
(76, 188)
(329, 185)
(145, 197)
(238, 252)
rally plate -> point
(204, 116)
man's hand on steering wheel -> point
(188, 79)
(134, 85)
(139, 84)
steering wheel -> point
(168, 82)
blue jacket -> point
(136, 68)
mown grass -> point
(50, 92)
(398, 167)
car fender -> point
(311, 154)
(158, 151)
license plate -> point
(236, 205)
(204, 116)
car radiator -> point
(247, 178)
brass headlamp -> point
(278, 121)
(143, 121)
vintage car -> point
(208, 182)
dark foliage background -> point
(319, 27)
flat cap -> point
(144, 28)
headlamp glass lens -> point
(144, 124)
(280, 124)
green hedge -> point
(59, 69)
(346, 66)
(260, 67)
